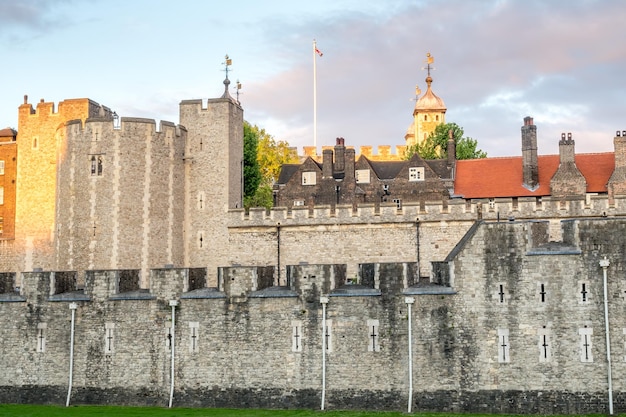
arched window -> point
(93, 165)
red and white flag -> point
(317, 51)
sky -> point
(562, 62)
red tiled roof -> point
(502, 177)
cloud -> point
(496, 62)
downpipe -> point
(324, 301)
(604, 263)
(73, 307)
(173, 304)
(409, 302)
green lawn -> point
(10, 410)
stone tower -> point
(429, 112)
(214, 172)
(122, 189)
(41, 138)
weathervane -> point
(237, 88)
(227, 63)
(429, 60)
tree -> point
(435, 146)
(251, 170)
(269, 157)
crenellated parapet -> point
(380, 153)
(453, 210)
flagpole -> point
(315, 95)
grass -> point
(12, 410)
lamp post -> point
(73, 307)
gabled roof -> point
(503, 177)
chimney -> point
(451, 148)
(340, 162)
(566, 149)
(327, 163)
(617, 182)
(530, 166)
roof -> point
(430, 101)
(6, 132)
(503, 177)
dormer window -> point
(309, 178)
(362, 176)
(416, 174)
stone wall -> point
(515, 331)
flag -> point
(317, 51)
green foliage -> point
(251, 170)
(436, 145)
(263, 158)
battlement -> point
(127, 124)
(383, 152)
(501, 209)
(66, 109)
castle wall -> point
(246, 344)
(120, 199)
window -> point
(373, 336)
(1, 225)
(503, 346)
(296, 336)
(362, 176)
(1, 167)
(193, 336)
(416, 174)
(545, 350)
(201, 200)
(425, 117)
(41, 337)
(543, 294)
(437, 117)
(200, 239)
(109, 338)
(583, 292)
(328, 336)
(298, 203)
(96, 165)
(398, 202)
(586, 354)
(168, 336)
(309, 178)
(492, 204)
(1, 195)
(35, 143)
(501, 293)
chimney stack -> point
(530, 165)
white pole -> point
(324, 301)
(315, 96)
(173, 304)
(604, 263)
(73, 307)
(409, 302)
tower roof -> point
(430, 101)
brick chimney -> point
(451, 148)
(617, 182)
(530, 166)
(327, 163)
(340, 158)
